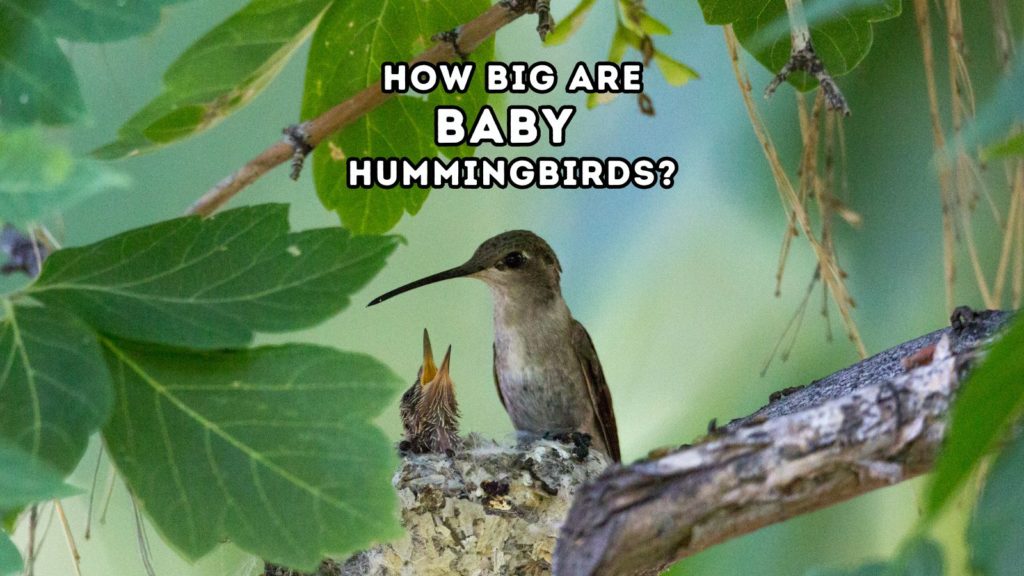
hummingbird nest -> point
(486, 510)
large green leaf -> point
(211, 283)
(985, 407)
(103, 20)
(355, 38)
(54, 387)
(10, 559)
(36, 80)
(272, 448)
(38, 178)
(996, 533)
(24, 479)
(872, 569)
(220, 73)
(37, 83)
(920, 557)
(841, 30)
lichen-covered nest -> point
(486, 510)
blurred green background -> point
(675, 286)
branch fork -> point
(804, 58)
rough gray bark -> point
(868, 426)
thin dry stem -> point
(1009, 232)
(111, 478)
(30, 552)
(831, 275)
(76, 558)
(1003, 35)
(92, 493)
(470, 36)
(1018, 264)
(945, 188)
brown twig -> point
(945, 173)
(830, 272)
(470, 36)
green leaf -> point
(10, 558)
(37, 83)
(841, 30)
(996, 534)
(568, 26)
(213, 282)
(1012, 146)
(355, 38)
(639, 21)
(621, 41)
(103, 20)
(39, 178)
(920, 557)
(24, 479)
(675, 72)
(985, 407)
(872, 569)
(223, 71)
(36, 80)
(54, 387)
(272, 448)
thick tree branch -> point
(877, 423)
(469, 37)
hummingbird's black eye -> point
(514, 260)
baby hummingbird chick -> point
(437, 413)
(411, 399)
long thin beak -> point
(457, 272)
(429, 369)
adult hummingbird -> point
(547, 372)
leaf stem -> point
(470, 36)
(800, 30)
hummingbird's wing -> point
(494, 367)
(600, 396)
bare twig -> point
(831, 274)
(76, 558)
(866, 427)
(803, 57)
(945, 172)
(92, 493)
(1003, 35)
(111, 479)
(30, 552)
(142, 538)
(470, 36)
